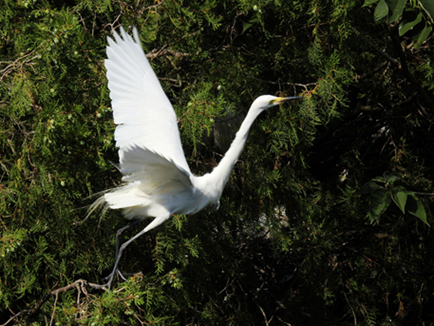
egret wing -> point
(153, 172)
(141, 110)
(147, 175)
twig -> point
(17, 64)
(267, 322)
(80, 285)
(280, 319)
(381, 52)
(112, 25)
(54, 309)
(156, 53)
(424, 193)
(34, 309)
(352, 310)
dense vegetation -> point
(326, 218)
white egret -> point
(157, 180)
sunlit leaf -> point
(399, 196)
(397, 8)
(416, 208)
(381, 10)
(405, 27)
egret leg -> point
(117, 244)
(122, 230)
(153, 224)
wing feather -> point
(148, 175)
(151, 170)
(141, 110)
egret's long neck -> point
(221, 173)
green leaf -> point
(422, 36)
(369, 187)
(246, 26)
(416, 208)
(397, 8)
(390, 178)
(405, 27)
(379, 179)
(369, 2)
(428, 6)
(381, 10)
(378, 203)
(399, 196)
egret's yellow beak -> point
(281, 100)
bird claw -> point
(121, 275)
(109, 278)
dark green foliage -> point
(293, 242)
(381, 196)
(415, 18)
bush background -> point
(297, 240)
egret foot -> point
(109, 278)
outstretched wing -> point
(141, 109)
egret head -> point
(266, 101)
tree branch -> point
(17, 64)
(79, 284)
(156, 53)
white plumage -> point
(141, 109)
(157, 180)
